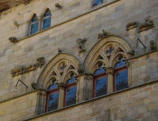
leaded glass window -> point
(100, 82)
(70, 92)
(97, 2)
(46, 23)
(34, 26)
(52, 97)
(121, 75)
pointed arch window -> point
(120, 75)
(97, 2)
(52, 97)
(46, 22)
(100, 82)
(34, 25)
(70, 92)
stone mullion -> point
(61, 96)
(110, 74)
(83, 87)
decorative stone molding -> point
(103, 35)
(110, 70)
(20, 70)
(148, 24)
(131, 25)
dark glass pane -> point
(53, 101)
(47, 13)
(71, 96)
(34, 28)
(100, 71)
(121, 63)
(96, 2)
(46, 23)
(121, 79)
(72, 80)
(53, 86)
(34, 19)
(101, 86)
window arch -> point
(100, 82)
(52, 97)
(46, 21)
(70, 92)
(120, 75)
(97, 2)
(34, 25)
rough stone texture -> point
(80, 24)
(139, 104)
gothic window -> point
(52, 97)
(34, 25)
(46, 22)
(100, 82)
(120, 75)
(97, 2)
(70, 92)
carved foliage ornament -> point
(19, 70)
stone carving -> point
(103, 35)
(153, 45)
(131, 25)
(19, 70)
(13, 39)
(148, 24)
(58, 6)
(81, 44)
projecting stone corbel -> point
(81, 45)
(20, 70)
(148, 24)
(131, 25)
(58, 6)
(13, 39)
(103, 35)
(153, 45)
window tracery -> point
(46, 21)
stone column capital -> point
(110, 70)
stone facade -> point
(78, 35)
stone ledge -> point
(93, 99)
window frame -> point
(114, 76)
(47, 97)
(94, 82)
(68, 86)
(44, 18)
(32, 23)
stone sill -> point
(93, 99)
(93, 9)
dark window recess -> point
(46, 20)
(121, 75)
(34, 25)
(70, 92)
(52, 97)
(100, 82)
(97, 2)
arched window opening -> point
(34, 26)
(46, 23)
(97, 2)
(70, 92)
(52, 97)
(100, 82)
(120, 75)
